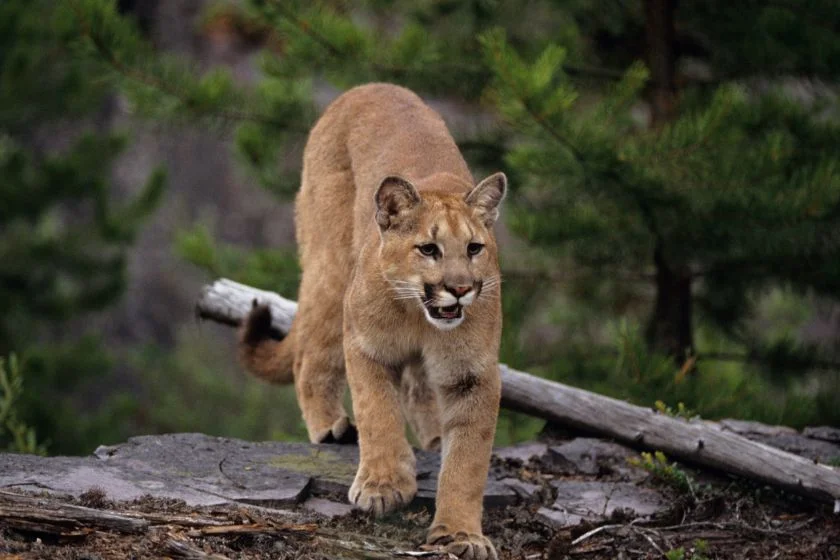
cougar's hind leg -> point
(420, 406)
(320, 375)
(325, 245)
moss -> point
(323, 463)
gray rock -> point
(589, 456)
(558, 517)
(496, 494)
(824, 433)
(814, 443)
(207, 470)
(746, 427)
(523, 452)
(596, 501)
(327, 508)
(524, 490)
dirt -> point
(718, 518)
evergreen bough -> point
(739, 192)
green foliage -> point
(64, 238)
(169, 88)
(697, 552)
(18, 437)
(667, 473)
(194, 388)
(267, 269)
(680, 412)
(513, 427)
(71, 265)
(427, 46)
(733, 194)
(760, 38)
(617, 362)
(612, 191)
(701, 548)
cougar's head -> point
(437, 246)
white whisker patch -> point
(467, 299)
(445, 299)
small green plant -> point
(834, 462)
(20, 437)
(668, 473)
(700, 550)
(697, 552)
(681, 412)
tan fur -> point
(383, 179)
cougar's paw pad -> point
(469, 546)
(342, 432)
(383, 494)
(257, 326)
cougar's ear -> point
(486, 197)
(395, 198)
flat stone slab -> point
(522, 452)
(525, 490)
(590, 456)
(207, 470)
(821, 443)
(824, 433)
(597, 501)
(327, 508)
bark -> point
(669, 329)
(661, 58)
(30, 514)
(701, 443)
(698, 442)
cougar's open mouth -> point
(450, 312)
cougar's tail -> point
(261, 349)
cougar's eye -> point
(429, 250)
(474, 248)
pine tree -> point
(726, 192)
(63, 239)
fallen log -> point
(47, 516)
(178, 546)
(699, 442)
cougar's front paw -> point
(469, 546)
(383, 490)
(342, 431)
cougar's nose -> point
(458, 291)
